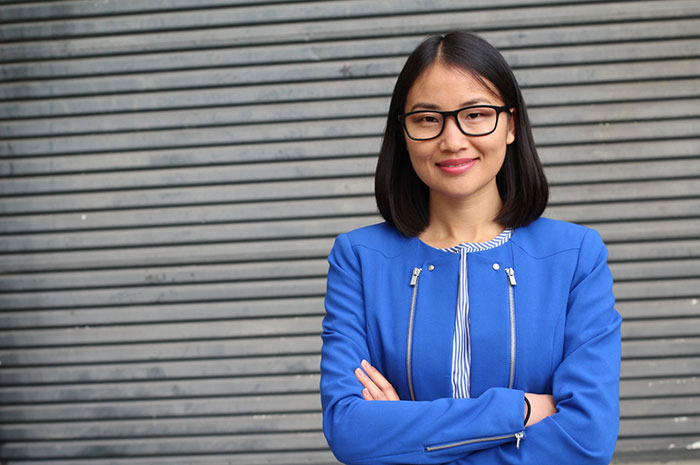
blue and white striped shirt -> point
(461, 344)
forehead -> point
(444, 84)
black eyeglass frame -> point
(446, 114)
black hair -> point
(402, 198)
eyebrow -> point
(432, 106)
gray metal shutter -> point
(174, 171)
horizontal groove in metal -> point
(229, 34)
(240, 16)
(673, 283)
(248, 175)
(193, 349)
(174, 172)
(113, 195)
(337, 65)
(312, 113)
(278, 381)
(239, 100)
(288, 247)
(579, 197)
(554, 74)
(90, 207)
(200, 273)
(137, 279)
(78, 8)
(675, 426)
(296, 328)
(171, 446)
(327, 219)
(183, 370)
(245, 16)
(320, 132)
(229, 424)
(284, 457)
(278, 288)
(283, 384)
(201, 157)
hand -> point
(541, 407)
(376, 385)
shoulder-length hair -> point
(402, 198)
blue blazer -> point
(542, 320)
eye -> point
(425, 119)
(477, 115)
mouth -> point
(456, 162)
(456, 166)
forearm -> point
(545, 443)
(439, 431)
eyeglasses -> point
(476, 120)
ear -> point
(510, 135)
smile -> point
(456, 166)
(453, 164)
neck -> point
(457, 220)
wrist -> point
(528, 410)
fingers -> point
(376, 386)
(380, 381)
(371, 391)
(369, 386)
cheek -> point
(418, 153)
(420, 160)
(493, 147)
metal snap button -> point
(431, 267)
(496, 266)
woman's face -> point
(453, 164)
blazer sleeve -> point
(384, 432)
(585, 385)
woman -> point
(485, 334)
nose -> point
(452, 138)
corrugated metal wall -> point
(174, 171)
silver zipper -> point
(414, 284)
(511, 284)
(518, 436)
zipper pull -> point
(414, 277)
(518, 437)
(511, 276)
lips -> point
(455, 166)
(455, 162)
